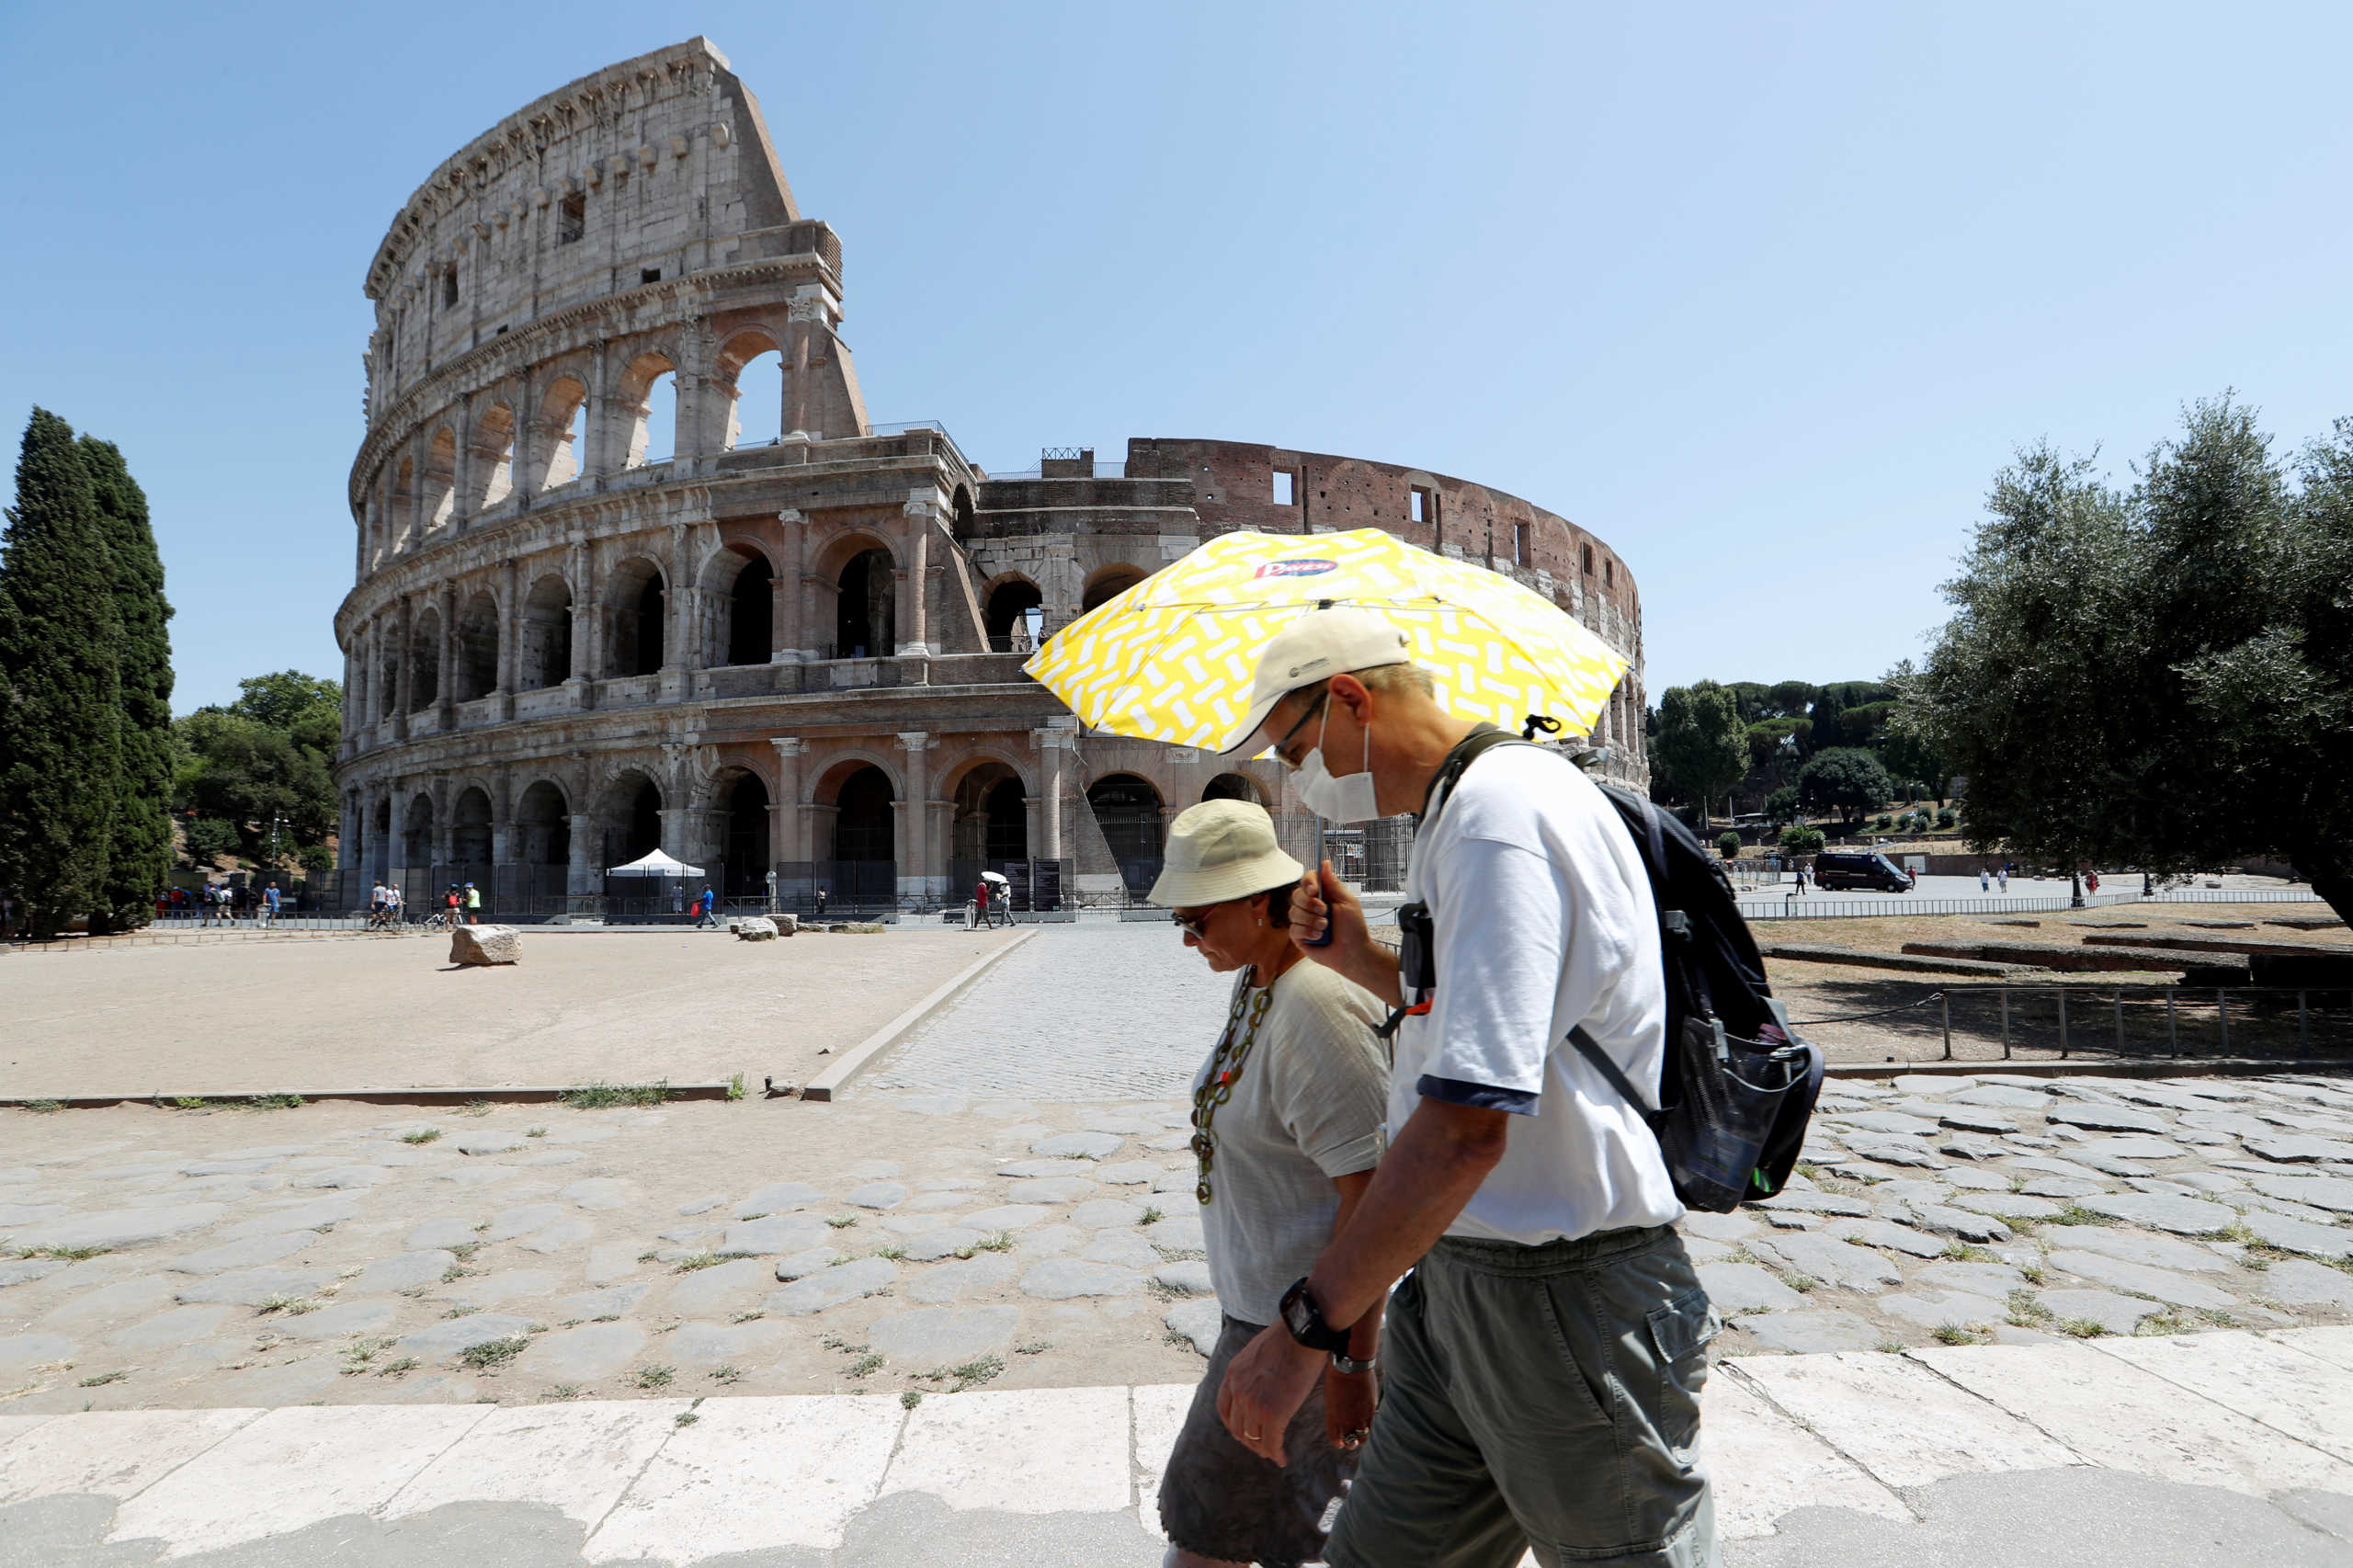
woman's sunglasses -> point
(1191, 925)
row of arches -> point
(990, 822)
(543, 443)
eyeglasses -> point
(1191, 925)
(1312, 708)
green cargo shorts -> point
(1543, 1397)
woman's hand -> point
(1349, 1399)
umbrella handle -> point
(1330, 929)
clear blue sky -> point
(1763, 295)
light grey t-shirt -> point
(1307, 1105)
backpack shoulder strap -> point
(1590, 1049)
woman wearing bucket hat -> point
(1287, 1127)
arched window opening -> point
(1109, 584)
(746, 861)
(755, 418)
(424, 661)
(493, 456)
(865, 824)
(440, 480)
(380, 841)
(632, 820)
(547, 635)
(1013, 616)
(417, 840)
(960, 509)
(751, 614)
(650, 391)
(990, 825)
(477, 649)
(1585, 552)
(470, 831)
(865, 624)
(1128, 811)
(639, 603)
(542, 834)
(404, 504)
(564, 417)
(1231, 787)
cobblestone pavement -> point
(2226, 1451)
(903, 1241)
(1095, 1010)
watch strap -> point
(1315, 1333)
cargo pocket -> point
(1681, 1332)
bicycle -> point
(439, 921)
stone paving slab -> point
(679, 1482)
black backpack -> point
(1737, 1085)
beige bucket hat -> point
(1217, 850)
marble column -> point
(916, 865)
(580, 874)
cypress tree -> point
(141, 860)
(61, 702)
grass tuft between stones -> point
(103, 1379)
(699, 1260)
(493, 1354)
(43, 1107)
(605, 1097)
(422, 1135)
(655, 1376)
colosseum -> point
(634, 569)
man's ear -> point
(1353, 695)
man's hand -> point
(1349, 1402)
(1323, 900)
(1264, 1388)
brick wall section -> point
(1234, 487)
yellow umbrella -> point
(1171, 658)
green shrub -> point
(1802, 840)
(1948, 817)
(1728, 845)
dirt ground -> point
(1912, 1017)
(389, 1012)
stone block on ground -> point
(704, 1293)
(357, 1314)
(1735, 1288)
(946, 1242)
(472, 945)
(944, 1336)
(1201, 1322)
(521, 1221)
(778, 1233)
(1191, 1278)
(437, 1233)
(407, 1271)
(2115, 1314)
(1177, 1233)
(754, 928)
(1812, 1330)
(2182, 1216)
(1078, 1145)
(1936, 1309)
(1892, 1237)
(1942, 1220)
(252, 1287)
(2291, 1234)
(251, 1252)
(955, 1281)
(801, 1265)
(842, 1282)
(2298, 1282)
(2142, 1279)
(448, 1338)
(1832, 1261)
(1060, 1279)
(582, 1355)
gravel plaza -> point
(982, 1257)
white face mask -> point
(1348, 799)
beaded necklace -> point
(1225, 1065)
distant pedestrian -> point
(474, 904)
(709, 905)
(1984, 881)
(821, 903)
(392, 903)
(2003, 875)
(270, 904)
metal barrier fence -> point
(2123, 1020)
(1815, 906)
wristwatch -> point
(1349, 1366)
(1306, 1321)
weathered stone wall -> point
(549, 615)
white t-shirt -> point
(1543, 920)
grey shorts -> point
(1220, 1500)
(1543, 1397)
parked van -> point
(1849, 868)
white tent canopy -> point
(655, 865)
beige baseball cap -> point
(1316, 646)
(1217, 850)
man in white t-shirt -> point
(1541, 1367)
